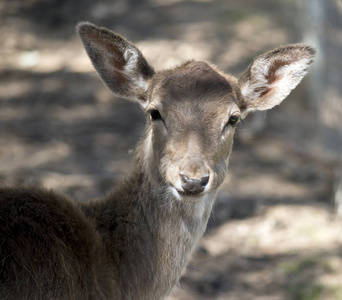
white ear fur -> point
(272, 76)
(132, 57)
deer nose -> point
(193, 186)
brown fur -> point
(134, 242)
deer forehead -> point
(193, 90)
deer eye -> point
(155, 115)
(233, 120)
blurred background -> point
(276, 230)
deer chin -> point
(187, 197)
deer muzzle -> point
(193, 186)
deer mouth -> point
(187, 196)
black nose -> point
(194, 186)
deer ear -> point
(119, 63)
(272, 76)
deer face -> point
(192, 110)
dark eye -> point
(155, 115)
(233, 120)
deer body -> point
(135, 242)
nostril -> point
(184, 178)
(204, 180)
(193, 186)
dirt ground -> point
(273, 234)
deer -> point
(134, 242)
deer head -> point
(193, 109)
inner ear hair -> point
(272, 76)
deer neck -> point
(149, 234)
(174, 228)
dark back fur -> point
(46, 241)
